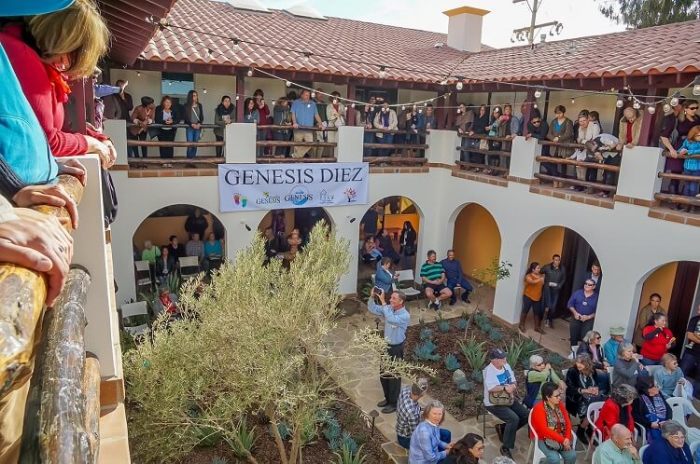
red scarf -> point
(58, 82)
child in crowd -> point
(691, 166)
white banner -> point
(251, 187)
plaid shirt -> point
(407, 413)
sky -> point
(580, 17)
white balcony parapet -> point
(350, 140)
(115, 129)
(638, 173)
(240, 143)
(522, 159)
(442, 147)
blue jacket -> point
(661, 452)
(383, 279)
(25, 157)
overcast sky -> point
(580, 17)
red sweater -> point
(655, 348)
(610, 415)
(539, 423)
(42, 95)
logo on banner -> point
(240, 200)
(325, 198)
(299, 195)
(268, 199)
(351, 194)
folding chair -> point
(144, 279)
(680, 407)
(189, 267)
(407, 276)
(140, 308)
(538, 455)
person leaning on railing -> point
(166, 115)
(691, 166)
(481, 121)
(224, 114)
(386, 121)
(51, 53)
(281, 116)
(304, 114)
(685, 120)
(561, 130)
(335, 115)
(141, 117)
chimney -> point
(464, 28)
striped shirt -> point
(432, 271)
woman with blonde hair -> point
(45, 51)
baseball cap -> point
(32, 7)
(497, 353)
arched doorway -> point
(577, 257)
(477, 245)
(186, 231)
(675, 288)
(283, 221)
(380, 235)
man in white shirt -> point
(499, 379)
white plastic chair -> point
(572, 355)
(189, 267)
(679, 407)
(538, 455)
(143, 274)
(140, 308)
(592, 415)
(652, 369)
(642, 450)
(694, 447)
(407, 275)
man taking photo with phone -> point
(396, 319)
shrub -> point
(462, 323)
(242, 440)
(346, 456)
(478, 376)
(495, 334)
(442, 323)
(556, 360)
(451, 362)
(474, 353)
(465, 385)
(530, 347)
(426, 351)
(218, 460)
(283, 430)
(514, 352)
(349, 442)
(426, 334)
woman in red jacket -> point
(43, 52)
(657, 340)
(551, 424)
(617, 410)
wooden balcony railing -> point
(48, 348)
(407, 147)
(493, 160)
(678, 200)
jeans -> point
(536, 306)
(219, 150)
(514, 416)
(405, 442)
(555, 457)
(466, 288)
(391, 385)
(690, 364)
(691, 188)
(578, 329)
(551, 298)
(192, 136)
(166, 136)
(609, 177)
(386, 139)
(132, 151)
(369, 138)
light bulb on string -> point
(620, 103)
(696, 86)
(238, 97)
(307, 57)
(250, 72)
(538, 93)
(651, 109)
(382, 72)
(674, 101)
(573, 101)
(352, 105)
(204, 91)
(667, 108)
(313, 94)
(403, 107)
(636, 105)
(288, 83)
(138, 73)
(236, 45)
(534, 106)
(459, 85)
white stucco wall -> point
(627, 242)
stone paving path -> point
(362, 385)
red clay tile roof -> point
(409, 54)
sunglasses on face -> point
(692, 107)
(588, 284)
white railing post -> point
(240, 142)
(350, 144)
(523, 154)
(115, 129)
(91, 252)
(442, 147)
(638, 177)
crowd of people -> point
(164, 260)
(633, 388)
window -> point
(176, 84)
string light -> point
(696, 86)
(538, 93)
(236, 45)
(204, 91)
(636, 105)
(138, 73)
(382, 72)
(651, 109)
(674, 100)
(238, 97)
(667, 108)
(313, 94)
(307, 57)
(250, 72)
(619, 103)
(288, 83)
(573, 101)
(459, 85)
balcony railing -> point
(676, 200)
(407, 147)
(282, 148)
(555, 169)
(482, 153)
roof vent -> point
(250, 5)
(303, 10)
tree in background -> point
(637, 14)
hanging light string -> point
(637, 100)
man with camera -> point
(396, 319)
